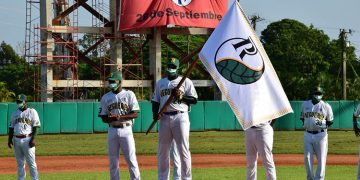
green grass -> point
(283, 172)
(224, 142)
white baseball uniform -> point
(315, 136)
(259, 141)
(174, 125)
(357, 114)
(120, 135)
(23, 122)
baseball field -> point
(215, 155)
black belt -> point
(23, 136)
(120, 125)
(173, 112)
(315, 132)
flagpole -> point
(171, 98)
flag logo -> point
(245, 65)
(182, 2)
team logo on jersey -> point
(121, 106)
(23, 120)
(182, 2)
(239, 61)
(165, 92)
(317, 115)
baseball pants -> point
(259, 141)
(318, 144)
(22, 153)
(175, 158)
(174, 127)
(122, 138)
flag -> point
(238, 63)
(136, 14)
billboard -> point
(136, 14)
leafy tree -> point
(303, 57)
(5, 94)
(16, 72)
(8, 54)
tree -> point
(7, 54)
(303, 57)
(5, 94)
(16, 72)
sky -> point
(327, 15)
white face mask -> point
(113, 86)
(318, 97)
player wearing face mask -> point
(22, 132)
(119, 109)
(174, 124)
(316, 116)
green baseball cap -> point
(20, 98)
(174, 61)
(115, 76)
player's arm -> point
(302, 114)
(103, 112)
(105, 118)
(131, 115)
(155, 103)
(302, 120)
(355, 126)
(155, 109)
(35, 126)
(33, 135)
(329, 116)
(11, 135)
(273, 122)
(190, 95)
(189, 100)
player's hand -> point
(10, 144)
(114, 117)
(32, 143)
(178, 95)
(157, 116)
(329, 123)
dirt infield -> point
(100, 163)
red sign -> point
(137, 14)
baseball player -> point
(23, 129)
(316, 116)
(119, 108)
(174, 122)
(357, 133)
(259, 141)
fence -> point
(81, 117)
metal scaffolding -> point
(52, 44)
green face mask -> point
(171, 72)
(114, 86)
(21, 105)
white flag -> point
(239, 65)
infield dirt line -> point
(100, 163)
